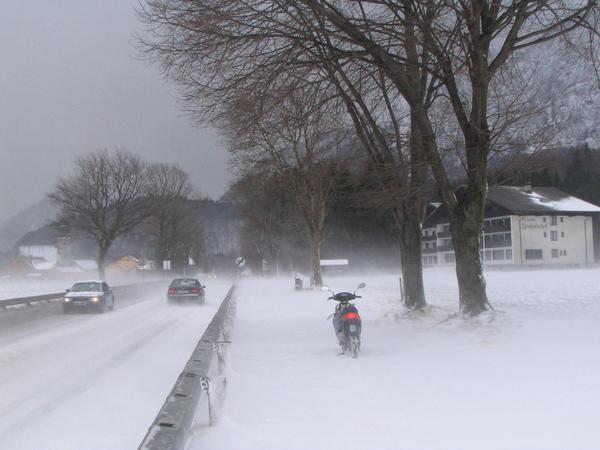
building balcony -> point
(432, 237)
(429, 251)
(496, 240)
(497, 244)
(443, 234)
(496, 228)
(446, 248)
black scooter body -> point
(346, 321)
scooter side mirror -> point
(324, 288)
(361, 286)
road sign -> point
(240, 261)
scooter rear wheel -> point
(354, 347)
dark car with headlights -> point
(89, 296)
(185, 289)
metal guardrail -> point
(200, 379)
(122, 289)
(29, 300)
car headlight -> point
(94, 299)
(67, 299)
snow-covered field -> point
(90, 381)
(525, 376)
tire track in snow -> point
(27, 411)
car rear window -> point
(185, 283)
(84, 287)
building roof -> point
(521, 200)
(538, 200)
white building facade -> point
(46, 252)
(522, 226)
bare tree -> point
(217, 48)
(171, 215)
(468, 43)
(105, 198)
(264, 203)
(297, 134)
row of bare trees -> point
(112, 194)
(412, 79)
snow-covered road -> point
(526, 376)
(91, 381)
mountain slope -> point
(36, 216)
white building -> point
(522, 226)
(45, 252)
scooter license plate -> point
(352, 328)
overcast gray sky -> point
(71, 83)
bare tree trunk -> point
(466, 231)
(103, 250)
(316, 279)
(471, 282)
(412, 264)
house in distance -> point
(523, 225)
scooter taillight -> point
(351, 316)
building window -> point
(434, 259)
(554, 252)
(562, 219)
(498, 255)
(534, 254)
(563, 253)
(509, 254)
(545, 235)
(544, 219)
(449, 257)
(552, 220)
(554, 236)
(562, 234)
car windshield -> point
(185, 283)
(86, 287)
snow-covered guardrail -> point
(200, 383)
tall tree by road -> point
(105, 198)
